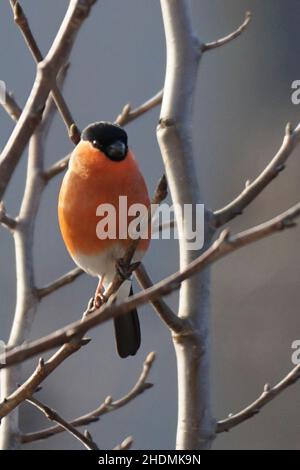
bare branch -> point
(11, 106)
(42, 371)
(23, 235)
(174, 134)
(224, 245)
(46, 74)
(26, 299)
(220, 42)
(51, 108)
(22, 21)
(252, 190)
(52, 415)
(106, 407)
(126, 444)
(128, 114)
(268, 394)
(173, 322)
(57, 168)
(58, 283)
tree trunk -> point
(195, 423)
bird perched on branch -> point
(102, 168)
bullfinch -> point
(101, 169)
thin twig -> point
(106, 407)
(45, 77)
(125, 445)
(57, 168)
(22, 21)
(252, 190)
(11, 106)
(268, 394)
(128, 114)
(52, 415)
(26, 299)
(42, 371)
(167, 315)
(58, 283)
(224, 245)
(225, 40)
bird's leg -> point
(99, 297)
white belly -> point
(104, 264)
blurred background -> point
(242, 105)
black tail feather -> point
(128, 333)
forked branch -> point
(268, 394)
(47, 71)
(107, 406)
(252, 190)
(52, 415)
(22, 21)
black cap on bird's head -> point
(107, 137)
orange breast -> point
(93, 179)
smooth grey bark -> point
(196, 425)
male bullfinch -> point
(101, 169)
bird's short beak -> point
(117, 150)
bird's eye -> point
(96, 144)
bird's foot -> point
(89, 309)
(99, 300)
